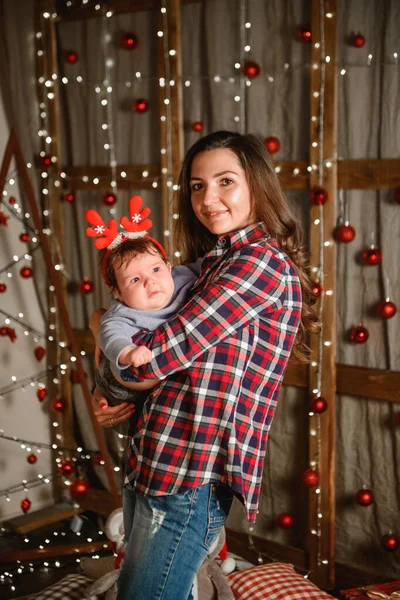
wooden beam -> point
(40, 518)
(117, 7)
(369, 174)
(55, 550)
(136, 177)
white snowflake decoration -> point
(136, 218)
(100, 229)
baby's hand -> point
(140, 356)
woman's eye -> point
(226, 181)
(196, 187)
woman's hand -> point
(109, 416)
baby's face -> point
(145, 282)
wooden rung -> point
(41, 518)
(55, 551)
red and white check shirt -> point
(222, 360)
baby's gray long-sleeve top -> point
(120, 322)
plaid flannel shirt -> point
(222, 360)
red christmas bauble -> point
(71, 57)
(69, 197)
(86, 286)
(26, 272)
(197, 126)
(390, 542)
(128, 41)
(285, 521)
(12, 200)
(39, 353)
(79, 488)
(3, 288)
(372, 256)
(316, 288)
(98, 459)
(32, 458)
(140, 105)
(272, 144)
(25, 505)
(251, 69)
(45, 161)
(364, 497)
(24, 237)
(359, 334)
(58, 404)
(304, 34)
(318, 196)
(310, 478)
(109, 199)
(41, 393)
(345, 233)
(75, 378)
(387, 309)
(66, 467)
(318, 405)
(396, 195)
(3, 331)
(358, 40)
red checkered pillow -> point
(277, 581)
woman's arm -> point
(94, 326)
(109, 416)
(252, 284)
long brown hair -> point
(271, 207)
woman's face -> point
(220, 194)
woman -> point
(202, 434)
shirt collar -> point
(237, 239)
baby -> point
(147, 293)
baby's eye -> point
(156, 269)
(134, 279)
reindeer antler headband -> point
(134, 227)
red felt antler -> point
(137, 221)
(105, 233)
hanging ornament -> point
(387, 309)
(345, 233)
(197, 126)
(272, 144)
(26, 272)
(45, 161)
(358, 40)
(86, 286)
(79, 488)
(316, 288)
(310, 478)
(41, 393)
(75, 378)
(4, 218)
(140, 105)
(58, 404)
(285, 521)
(251, 69)
(364, 497)
(128, 41)
(390, 542)
(39, 353)
(318, 405)
(318, 196)
(359, 334)
(32, 458)
(372, 256)
(25, 505)
(69, 197)
(67, 467)
(3, 287)
(304, 34)
(397, 195)
(109, 199)
(24, 237)
(98, 459)
(8, 332)
(12, 200)
(71, 57)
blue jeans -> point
(168, 539)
